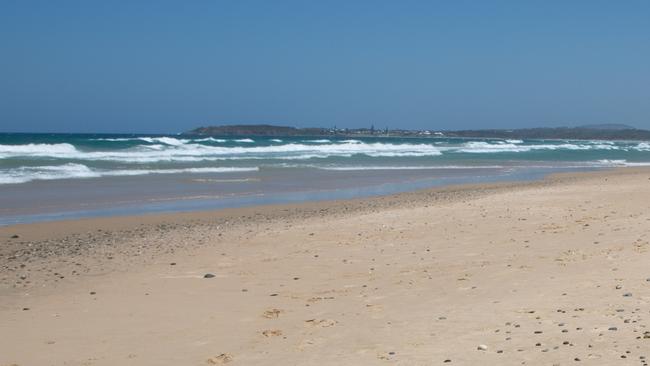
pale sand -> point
(537, 273)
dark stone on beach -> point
(447, 361)
(172, 263)
(208, 275)
(612, 328)
(15, 236)
(25, 309)
(627, 294)
(92, 292)
(391, 353)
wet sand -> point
(543, 273)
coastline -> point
(47, 242)
(410, 278)
(57, 229)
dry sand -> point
(549, 273)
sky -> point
(169, 66)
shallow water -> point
(54, 176)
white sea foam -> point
(245, 140)
(643, 146)
(71, 171)
(275, 140)
(187, 152)
(115, 139)
(379, 167)
(210, 139)
(170, 149)
(478, 147)
(319, 141)
(515, 141)
(53, 150)
(621, 162)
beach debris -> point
(272, 313)
(208, 275)
(482, 347)
(221, 359)
(323, 323)
(272, 333)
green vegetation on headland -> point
(590, 132)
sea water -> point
(54, 176)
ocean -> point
(58, 176)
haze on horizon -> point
(166, 67)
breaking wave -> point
(71, 171)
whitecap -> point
(72, 171)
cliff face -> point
(256, 130)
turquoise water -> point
(49, 176)
(29, 157)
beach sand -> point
(555, 272)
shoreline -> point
(545, 272)
(40, 229)
(69, 200)
(46, 245)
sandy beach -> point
(544, 273)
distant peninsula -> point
(587, 132)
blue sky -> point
(163, 66)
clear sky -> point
(163, 66)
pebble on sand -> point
(482, 347)
(208, 275)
